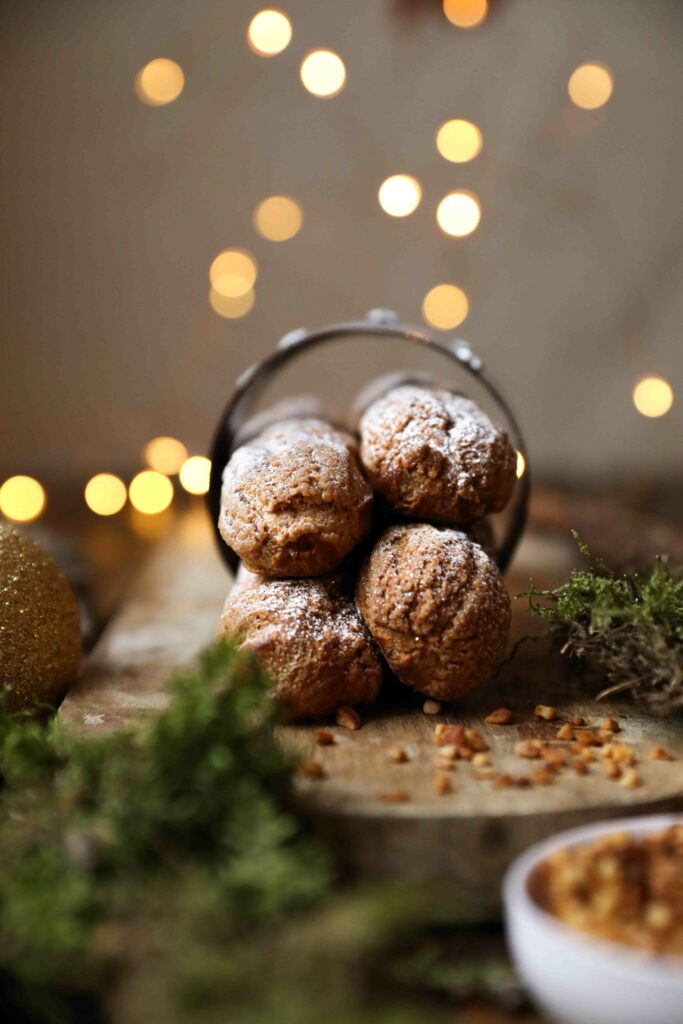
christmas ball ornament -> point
(40, 637)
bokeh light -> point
(165, 454)
(465, 13)
(521, 464)
(323, 73)
(105, 494)
(233, 273)
(445, 306)
(459, 141)
(653, 396)
(269, 32)
(278, 218)
(231, 309)
(22, 498)
(590, 86)
(458, 213)
(159, 82)
(399, 195)
(150, 492)
(195, 474)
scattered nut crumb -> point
(475, 740)
(348, 718)
(658, 915)
(323, 737)
(465, 753)
(623, 754)
(565, 732)
(545, 711)
(530, 749)
(394, 796)
(449, 750)
(504, 781)
(585, 754)
(481, 760)
(312, 770)
(446, 764)
(611, 770)
(445, 735)
(609, 725)
(577, 720)
(553, 756)
(485, 774)
(630, 779)
(659, 753)
(501, 716)
(543, 776)
(580, 766)
(588, 739)
(431, 707)
(522, 782)
(443, 785)
(398, 755)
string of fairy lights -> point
(278, 218)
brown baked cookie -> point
(294, 500)
(437, 606)
(309, 635)
(435, 455)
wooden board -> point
(460, 843)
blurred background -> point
(184, 183)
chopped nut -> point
(502, 716)
(611, 770)
(504, 781)
(659, 753)
(579, 766)
(631, 779)
(577, 720)
(543, 776)
(565, 732)
(522, 782)
(443, 785)
(623, 754)
(431, 707)
(348, 718)
(485, 774)
(545, 711)
(312, 770)
(530, 749)
(449, 734)
(553, 755)
(446, 764)
(584, 754)
(450, 751)
(658, 915)
(323, 737)
(397, 755)
(588, 739)
(394, 796)
(475, 740)
(609, 725)
(465, 753)
(481, 760)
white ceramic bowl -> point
(578, 979)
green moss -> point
(629, 626)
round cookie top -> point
(436, 455)
(294, 500)
(437, 606)
(309, 634)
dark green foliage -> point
(159, 875)
(628, 626)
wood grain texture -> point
(460, 842)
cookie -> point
(436, 604)
(294, 500)
(436, 455)
(310, 637)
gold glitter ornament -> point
(40, 636)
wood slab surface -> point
(387, 819)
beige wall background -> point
(112, 212)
